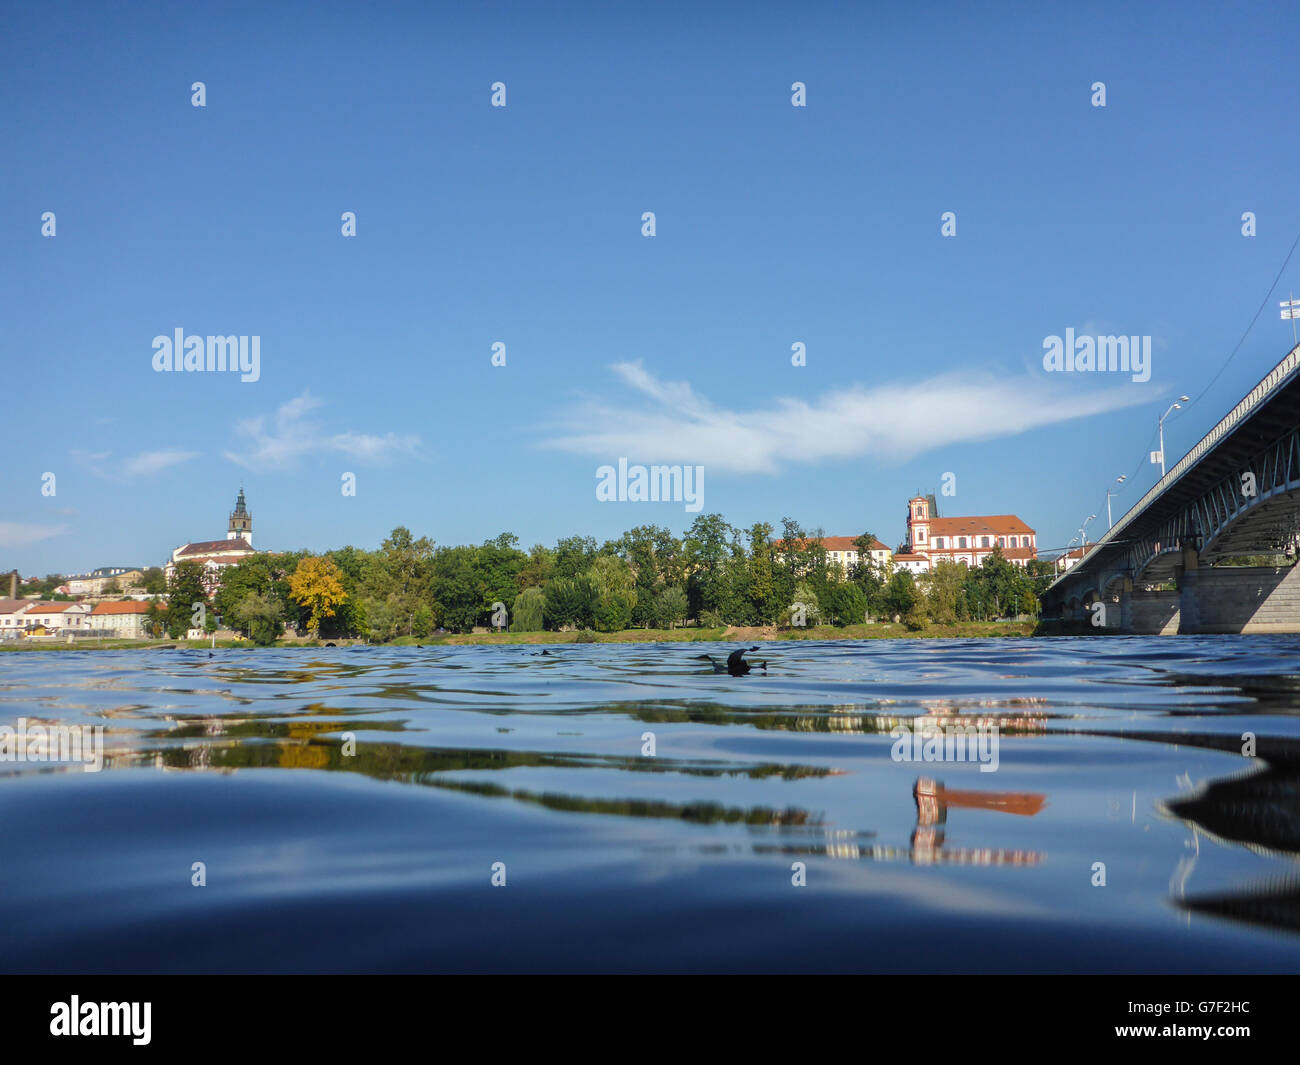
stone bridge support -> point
(1209, 599)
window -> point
(961, 541)
(984, 541)
(920, 536)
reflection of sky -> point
(765, 770)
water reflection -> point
(794, 763)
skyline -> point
(775, 226)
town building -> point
(842, 550)
(215, 555)
(968, 540)
(1070, 556)
(55, 618)
(104, 580)
(11, 616)
(125, 621)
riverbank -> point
(981, 630)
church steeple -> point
(241, 522)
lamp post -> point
(1083, 535)
(1159, 456)
(1291, 310)
(1109, 492)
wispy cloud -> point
(280, 440)
(20, 534)
(148, 462)
(892, 423)
(143, 464)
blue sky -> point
(522, 225)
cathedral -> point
(216, 555)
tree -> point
(317, 584)
(762, 587)
(261, 574)
(570, 601)
(804, 609)
(458, 589)
(944, 587)
(670, 607)
(155, 582)
(901, 594)
(185, 594)
(707, 548)
(399, 573)
(846, 604)
(616, 593)
(529, 611)
(260, 616)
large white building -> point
(216, 555)
(126, 621)
(932, 539)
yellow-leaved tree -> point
(316, 583)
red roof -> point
(993, 524)
(131, 607)
(214, 545)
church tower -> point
(918, 524)
(241, 522)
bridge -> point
(1160, 568)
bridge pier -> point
(1239, 599)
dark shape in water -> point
(736, 664)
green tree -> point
(901, 594)
(670, 607)
(529, 611)
(186, 592)
(846, 604)
(616, 593)
(571, 601)
(944, 586)
(260, 617)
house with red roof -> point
(968, 540)
(125, 621)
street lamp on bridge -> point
(1083, 535)
(1109, 492)
(1159, 456)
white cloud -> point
(139, 465)
(891, 422)
(148, 462)
(280, 440)
(20, 534)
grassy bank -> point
(881, 631)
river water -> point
(352, 808)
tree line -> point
(715, 574)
